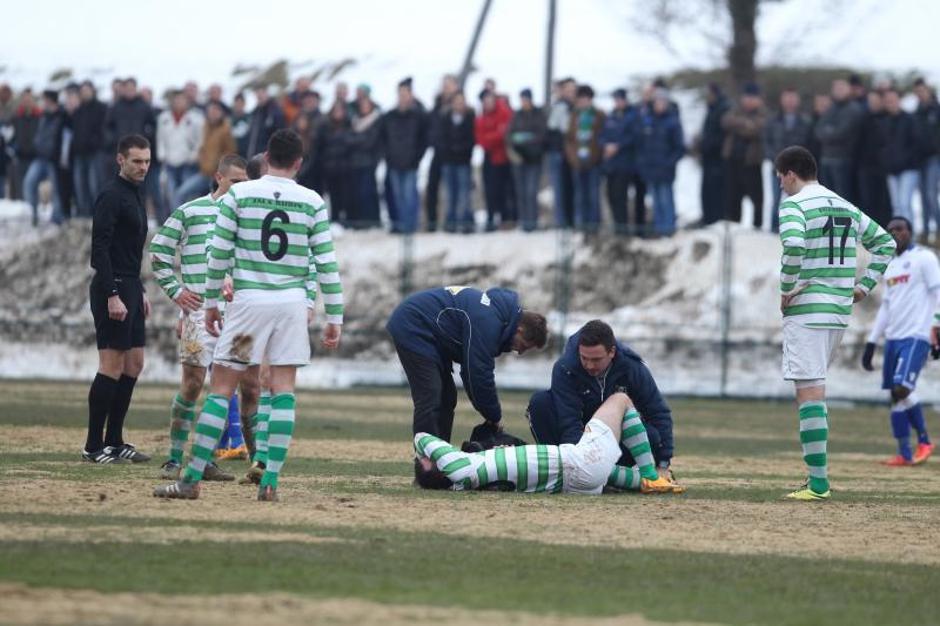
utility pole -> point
(550, 50)
(468, 60)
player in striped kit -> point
(276, 233)
(820, 232)
(585, 467)
(912, 296)
(188, 229)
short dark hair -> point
(597, 333)
(584, 91)
(232, 160)
(431, 478)
(901, 218)
(798, 160)
(255, 167)
(132, 141)
(284, 148)
(534, 328)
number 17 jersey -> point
(274, 234)
(820, 232)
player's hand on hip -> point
(116, 309)
(213, 322)
(228, 289)
(189, 301)
(858, 295)
(867, 356)
(331, 335)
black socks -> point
(120, 402)
(100, 398)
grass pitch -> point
(353, 542)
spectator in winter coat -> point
(526, 145)
(559, 172)
(713, 166)
(743, 152)
(903, 155)
(366, 153)
(928, 118)
(822, 102)
(583, 150)
(7, 104)
(179, 134)
(788, 127)
(334, 149)
(872, 173)
(660, 147)
(87, 143)
(309, 123)
(442, 106)
(618, 138)
(47, 144)
(25, 122)
(838, 132)
(241, 124)
(404, 142)
(266, 118)
(455, 149)
(217, 141)
(131, 114)
(490, 130)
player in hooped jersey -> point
(820, 232)
(912, 296)
(274, 234)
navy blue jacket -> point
(461, 325)
(660, 146)
(620, 128)
(577, 395)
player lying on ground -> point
(276, 233)
(585, 467)
(188, 230)
(912, 295)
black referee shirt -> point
(118, 232)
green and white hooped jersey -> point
(188, 228)
(274, 234)
(820, 232)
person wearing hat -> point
(619, 143)
(526, 144)
(660, 147)
(583, 150)
(743, 153)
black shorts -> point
(111, 334)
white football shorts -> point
(196, 344)
(253, 330)
(807, 352)
(587, 464)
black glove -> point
(488, 435)
(867, 356)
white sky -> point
(166, 42)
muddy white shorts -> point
(587, 464)
(807, 352)
(196, 344)
(252, 330)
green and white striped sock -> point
(261, 428)
(182, 415)
(212, 423)
(814, 432)
(280, 430)
(625, 477)
(633, 436)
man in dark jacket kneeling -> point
(594, 366)
(436, 328)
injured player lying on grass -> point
(586, 467)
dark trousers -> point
(339, 186)
(544, 424)
(618, 195)
(875, 199)
(366, 196)
(713, 191)
(431, 192)
(740, 181)
(432, 391)
(496, 181)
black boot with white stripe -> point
(180, 490)
(105, 456)
(128, 452)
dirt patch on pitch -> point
(33, 606)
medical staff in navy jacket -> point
(436, 328)
(593, 366)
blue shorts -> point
(904, 359)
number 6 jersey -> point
(820, 232)
(278, 234)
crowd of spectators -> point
(870, 150)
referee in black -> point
(118, 303)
